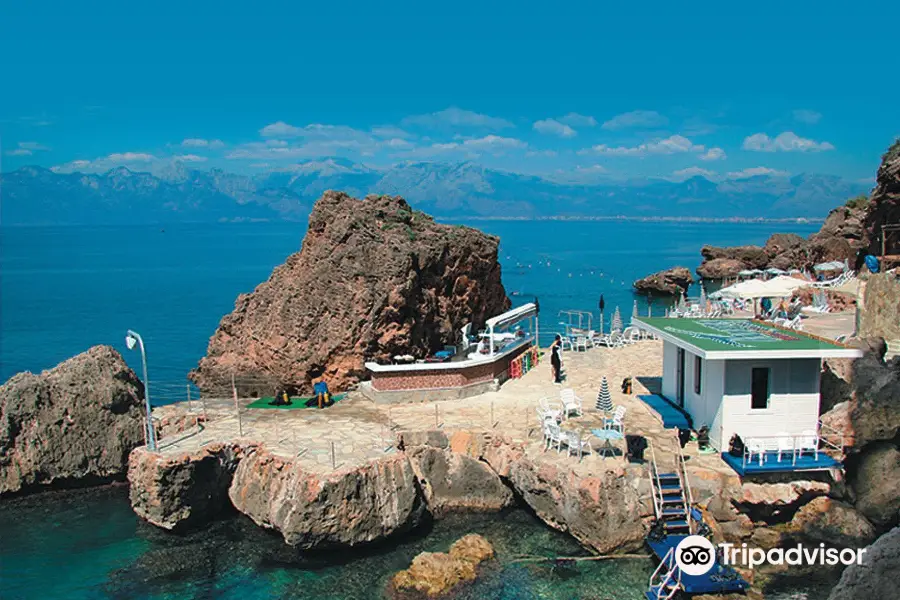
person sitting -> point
(281, 398)
(320, 391)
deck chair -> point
(571, 403)
(581, 343)
(631, 334)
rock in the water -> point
(434, 574)
(876, 577)
(720, 268)
(374, 279)
(71, 425)
(348, 507)
(669, 282)
(603, 512)
(833, 523)
(178, 492)
(453, 481)
(875, 477)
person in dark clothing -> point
(556, 359)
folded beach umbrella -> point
(616, 323)
(634, 311)
(604, 400)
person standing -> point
(556, 359)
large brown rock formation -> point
(669, 282)
(884, 204)
(373, 279)
(71, 425)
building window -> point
(759, 388)
(698, 373)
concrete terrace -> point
(362, 430)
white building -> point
(738, 376)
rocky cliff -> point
(373, 279)
(849, 233)
(72, 425)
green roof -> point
(739, 335)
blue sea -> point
(63, 290)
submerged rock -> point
(71, 425)
(434, 574)
(669, 282)
(374, 279)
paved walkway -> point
(356, 430)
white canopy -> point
(749, 272)
(775, 271)
(777, 287)
(516, 314)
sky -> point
(572, 91)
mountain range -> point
(176, 193)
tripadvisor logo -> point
(696, 555)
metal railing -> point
(672, 575)
(687, 495)
(655, 487)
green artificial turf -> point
(736, 334)
(296, 402)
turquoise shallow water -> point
(88, 544)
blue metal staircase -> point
(677, 518)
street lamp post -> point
(132, 338)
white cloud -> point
(494, 142)
(554, 127)
(755, 171)
(784, 142)
(75, 165)
(26, 149)
(714, 154)
(190, 158)
(389, 131)
(576, 120)
(644, 119)
(456, 117)
(123, 157)
(395, 143)
(201, 143)
(33, 146)
(810, 117)
(541, 153)
(693, 172)
(675, 144)
(280, 129)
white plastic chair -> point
(576, 444)
(785, 443)
(553, 436)
(753, 446)
(616, 421)
(808, 440)
(548, 410)
(631, 334)
(571, 403)
(581, 343)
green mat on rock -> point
(296, 402)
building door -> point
(679, 373)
